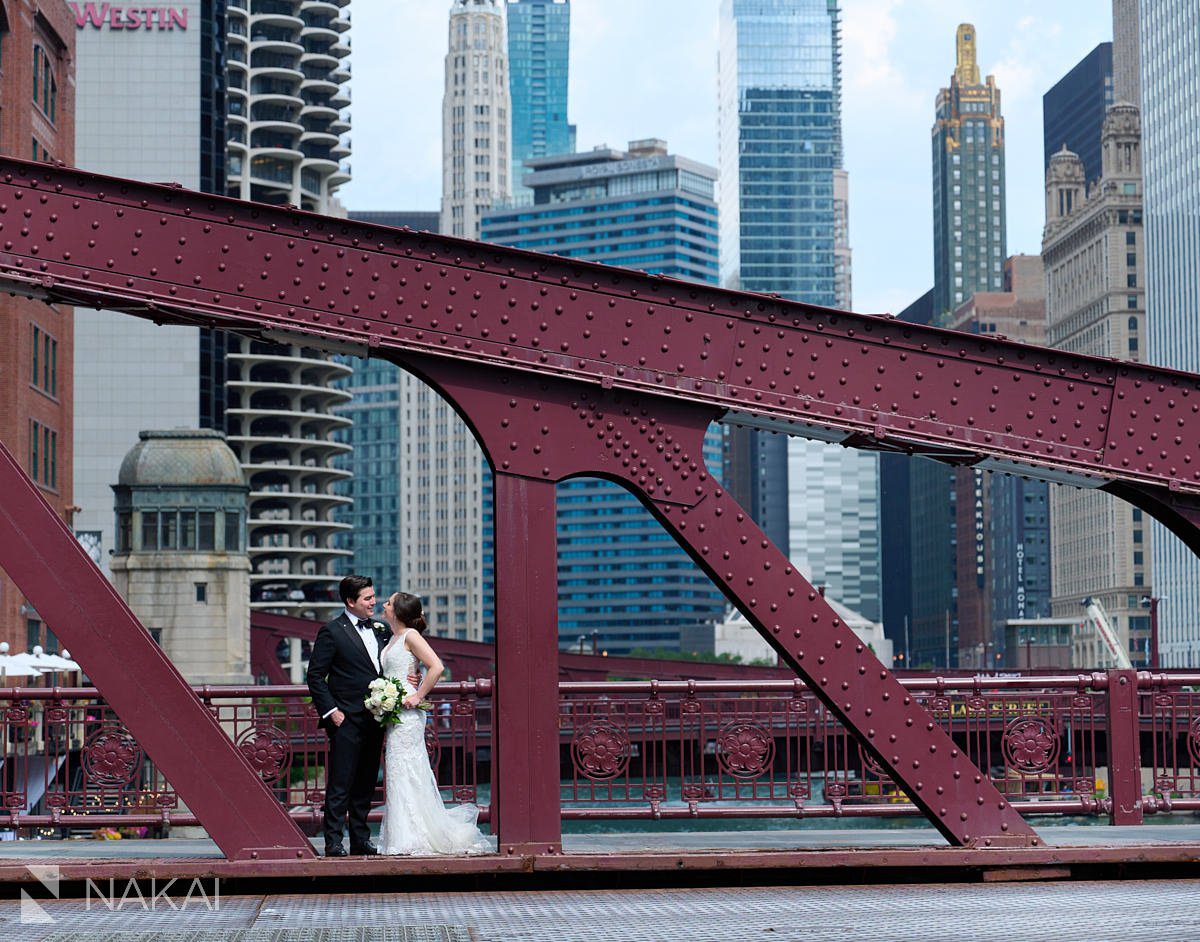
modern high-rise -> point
(969, 248)
(1170, 86)
(476, 116)
(1095, 256)
(1073, 110)
(37, 86)
(287, 88)
(138, 375)
(620, 574)
(780, 153)
(539, 41)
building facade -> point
(620, 575)
(1170, 86)
(37, 340)
(476, 117)
(288, 74)
(783, 199)
(288, 71)
(1002, 556)
(539, 43)
(139, 375)
(1095, 254)
(969, 248)
(1073, 110)
(180, 557)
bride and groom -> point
(350, 652)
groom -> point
(344, 661)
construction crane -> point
(1099, 617)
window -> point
(202, 592)
(44, 362)
(1131, 281)
(43, 455)
(45, 89)
(149, 530)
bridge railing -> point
(658, 749)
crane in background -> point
(1099, 618)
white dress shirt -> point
(369, 641)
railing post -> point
(1124, 748)
(526, 811)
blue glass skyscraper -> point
(781, 211)
(620, 575)
(539, 33)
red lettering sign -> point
(108, 15)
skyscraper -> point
(1073, 110)
(476, 116)
(1170, 85)
(969, 248)
(783, 205)
(287, 75)
(620, 574)
(969, 232)
(1095, 253)
(539, 36)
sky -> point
(648, 68)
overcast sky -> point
(648, 68)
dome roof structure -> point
(181, 458)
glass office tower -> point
(539, 37)
(620, 575)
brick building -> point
(37, 120)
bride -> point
(415, 819)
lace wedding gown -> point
(415, 819)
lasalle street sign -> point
(111, 16)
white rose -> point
(391, 690)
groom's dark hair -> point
(351, 586)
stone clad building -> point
(180, 560)
(1094, 253)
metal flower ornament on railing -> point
(666, 749)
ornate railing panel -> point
(658, 749)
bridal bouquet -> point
(386, 698)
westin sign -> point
(111, 16)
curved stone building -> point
(287, 72)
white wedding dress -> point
(415, 819)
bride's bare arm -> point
(433, 667)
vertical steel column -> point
(1124, 748)
(525, 771)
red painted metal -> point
(1124, 748)
(565, 368)
(155, 704)
(525, 802)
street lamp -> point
(1152, 601)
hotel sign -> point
(111, 16)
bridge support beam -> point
(525, 776)
(162, 713)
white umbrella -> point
(51, 662)
(16, 665)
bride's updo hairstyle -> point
(407, 608)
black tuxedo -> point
(339, 672)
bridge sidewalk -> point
(655, 858)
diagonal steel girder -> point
(446, 307)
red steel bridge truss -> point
(564, 368)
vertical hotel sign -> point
(111, 16)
